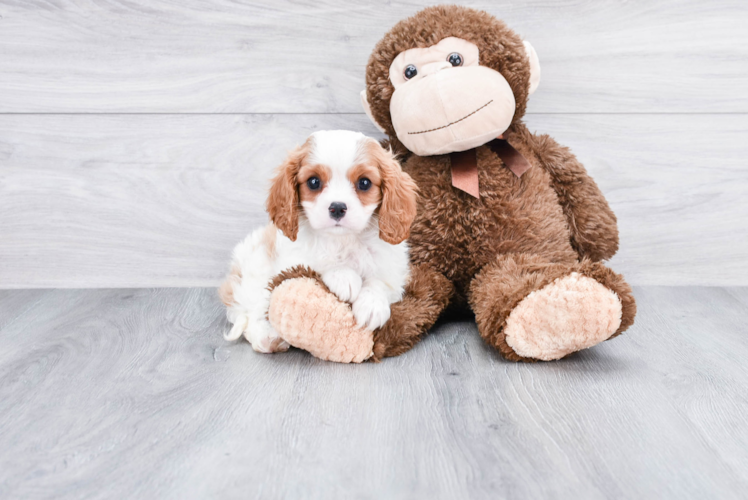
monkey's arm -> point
(307, 316)
(427, 294)
(593, 226)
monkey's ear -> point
(534, 66)
(367, 108)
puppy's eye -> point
(455, 59)
(364, 184)
(314, 183)
(410, 71)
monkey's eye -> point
(364, 184)
(455, 59)
(314, 183)
(410, 71)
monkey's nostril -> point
(337, 210)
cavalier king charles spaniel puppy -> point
(341, 205)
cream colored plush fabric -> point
(327, 329)
(484, 111)
(572, 313)
(534, 66)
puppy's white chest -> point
(350, 253)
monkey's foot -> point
(308, 316)
(573, 312)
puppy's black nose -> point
(337, 210)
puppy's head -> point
(338, 180)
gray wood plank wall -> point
(136, 137)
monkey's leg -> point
(306, 315)
(531, 309)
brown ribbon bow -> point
(465, 165)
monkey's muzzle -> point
(454, 109)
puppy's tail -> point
(239, 326)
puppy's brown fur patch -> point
(399, 195)
(306, 172)
(373, 195)
(226, 290)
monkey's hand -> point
(308, 316)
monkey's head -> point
(449, 79)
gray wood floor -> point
(132, 393)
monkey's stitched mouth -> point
(452, 123)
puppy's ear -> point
(399, 193)
(283, 199)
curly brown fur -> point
(501, 49)
(592, 224)
(521, 234)
(458, 234)
(554, 213)
(426, 295)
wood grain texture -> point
(160, 200)
(134, 394)
(290, 56)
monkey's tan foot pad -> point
(309, 317)
(571, 313)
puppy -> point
(341, 205)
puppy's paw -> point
(264, 338)
(371, 309)
(345, 283)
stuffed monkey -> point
(509, 224)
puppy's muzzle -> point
(337, 210)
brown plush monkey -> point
(509, 224)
